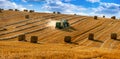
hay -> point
(113, 36)
(67, 39)
(91, 36)
(95, 17)
(27, 16)
(34, 39)
(21, 38)
(113, 17)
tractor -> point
(62, 24)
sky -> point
(81, 7)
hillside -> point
(51, 43)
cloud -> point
(24, 0)
(30, 5)
(67, 0)
(32, 0)
(93, 1)
(38, 0)
(109, 9)
(58, 5)
(6, 4)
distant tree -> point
(103, 16)
(53, 12)
(25, 10)
(31, 11)
(0, 10)
(75, 14)
(58, 13)
(16, 10)
(10, 9)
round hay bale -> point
(91, 36)
(113, 17)
(95, 17)
(113, 36)
(21, 37)
(27, 16)
(34, 39)
(67, 39)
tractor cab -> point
(62, 24)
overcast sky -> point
(83, 7)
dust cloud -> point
(52, 23)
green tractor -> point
(62, 24)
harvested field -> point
(49, 43)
